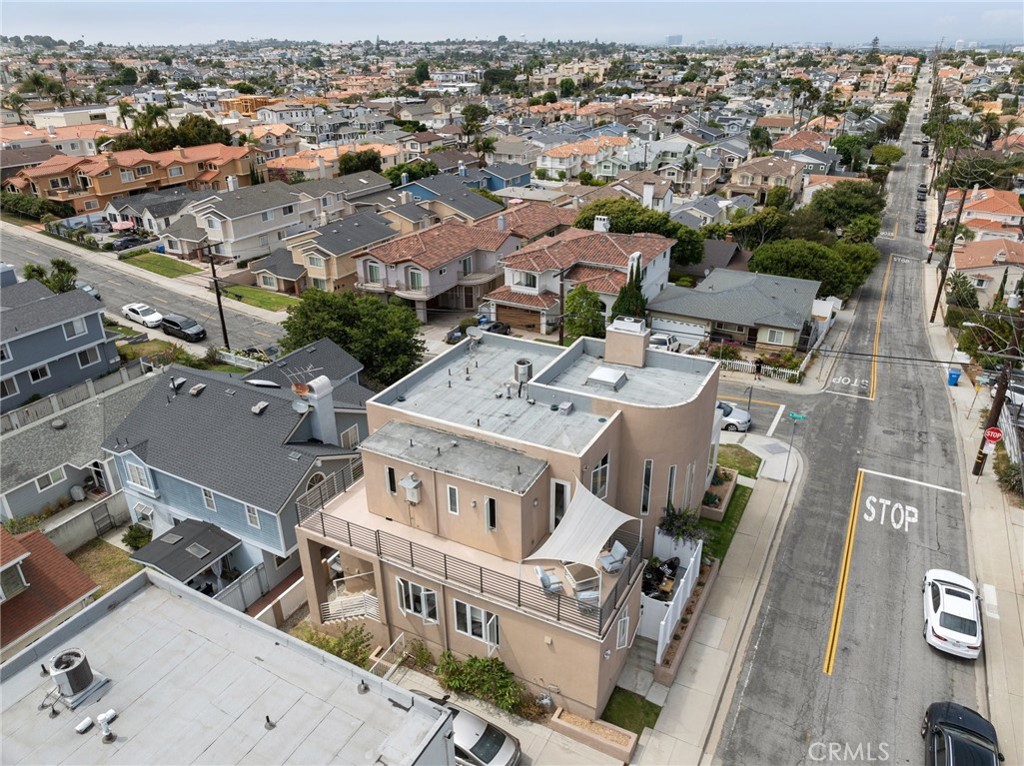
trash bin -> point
(954, 377)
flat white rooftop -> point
(193, 682)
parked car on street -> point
(141, 313)
(952, 620)
(127, 243)
(498, 327)
(477, 742)
(86, 288)
(733, 418)
(922, 196)
(663, 342)
(955, 735)
(183, 327)
(922, 188)
(922, 215)
(920, 227)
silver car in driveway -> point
(477, 742)
(733, 418)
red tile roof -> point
(986, 200)
(507, 296)
(55, 583)
(604, 281)
(438, 245)
(984, 254)
(582, 246)
(529, 219)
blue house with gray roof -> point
(235, 452)
(48, 342)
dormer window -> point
(12, 582)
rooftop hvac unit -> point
(71, 672)
(524, 371)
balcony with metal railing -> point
(337, 510)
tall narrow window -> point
(599, 478)
(389, 472)
(453, 499)
(645, 491)
(490, 513)
(559, 501)
(671, 486)
(622, 630)
(208, 500)
(252, 516)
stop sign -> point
(993, 434)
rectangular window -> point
(288, 209)
(208, 500)
(671, 485)
(622, 630)
(415, 279)
(268, 281)
(320, 284)
(252, 516)
(372, 272)
(645, 490)
(267, 215)
(467, 265)
(39, 374)
(776, 336)
(8, 387)
(476, 622)
(264, 240)
(175, 171)
(137, 475)
(91, 204)
(315, 261)
(12, 582)
(74, 328)
(599, 478)
(453, 499)
(212, 223)
(145, 170)
(88, 356)
(389, 474)
(442, 271)
(5, 352)
(529, 280)
(490, 513)
(280, 561)
(413, 598)
(127, 176)
(51, 478)
(350, 437)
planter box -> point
(724, 491)
(589, 738)
(666, 674)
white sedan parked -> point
(952, 622)
(143, 314)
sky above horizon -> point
(843, 23)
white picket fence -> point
(681, 596)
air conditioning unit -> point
(71, 672)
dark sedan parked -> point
(499, 327)
(920, 227)
(958, 736)
(183, 327)
(127, 243)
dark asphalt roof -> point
(324, 357)
(186, 549)
(353, 233)
(29, 306)
(280, 264)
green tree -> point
(760, 140)
(863, 228)
(886, 154)
(566, 87)
(473, 116)
(549, 97)
(357, 162)
(849, 148)
(804, 260)
(245, 88)
(422, 72)
(689, 247)
(961, 291)
(630, 301)
(384, 337)
(584, 314)
(60, 278)
(861, 258)
(754, 230)
(627, 216)
(847, 200)
(780, 198)
(412, 170)
(316, 61)
(194, 130)
(128, 76)
(17, 104)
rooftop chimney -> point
(649, 195)
(51, 131)
(232, 183)
(462, 168)
(625, 342)
(501, 223)
(728, 237)
(321, 403)
(602, 223)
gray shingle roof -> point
(742, 298)
(280, 264)
(452, 192)
(252, 199)
(507, 170)
(159, 203)
(215, 440)
(326, 356)
(186, 228)
(31, 310)
(353, 233)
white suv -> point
(663, 342)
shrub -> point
(420, 656)
(24, 524)
(717, 479)
(107, 246)
(1008, 474)
(722, 351)
(485, 677)
(711, 500)
(683, 524)
(137, 536)
(353, 645)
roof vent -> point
(294, 456)
(198, 551)
(565, 408)
(197, 389)
(172, 538)
(58, 424)
(259, 407)
(177, 383)
(524, 371)
(229, 391)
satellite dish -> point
(474, 332)
(300, 406)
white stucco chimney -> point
(321, 409)
(602, 223)
(232, 183)
(649, 195)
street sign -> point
(798, 416)
(988, 448)
(993, 435)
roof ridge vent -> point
(258, 408)
(177, 383)
(197, 389)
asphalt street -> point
(116, 289)
(837, 662)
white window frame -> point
(144, 514)
(8, 383)
(672, 471)
(453, 500)
(268, 280)
(599, 477)
(469, 615)
(91, 204)
(778, 337)
(127, 176)
(50, 478)
(555, 485)
(267, 215)
(350, 437)
(77, 326)
(391, 479)
(45, 374)
(319, 284)
(315, 261)
(5, 352)
(138, 475)
(252, 514)
(622, 630)
(175, 170)
(143, 170)
(212, 223)
(416, 276)
(374, 273)
(209, 501)
(264, 240)
(288, 210)
(490, 514)
(92, 352)
(645, 487)
(409, 592)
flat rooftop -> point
(474, 385)
(193, 681)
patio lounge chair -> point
(612, 562)
(549, 580)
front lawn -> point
(106, 564)
(720, 533)
(263, 299)
(739, 459)
(164, 265)
(150, 348)
(630, 711)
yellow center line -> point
(741, 400)
(878, 331)
(844, 576)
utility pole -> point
(944, 266)
(208, 251)
(993, 418)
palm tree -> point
(484, 145)
(16, 103)
(56, 92)
(1010, 126)
(990, 127)
(124, 111)
(34, 82)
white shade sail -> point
(581, 535)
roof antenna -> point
(268, 724)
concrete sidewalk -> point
(695, 706)
(995, 531)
